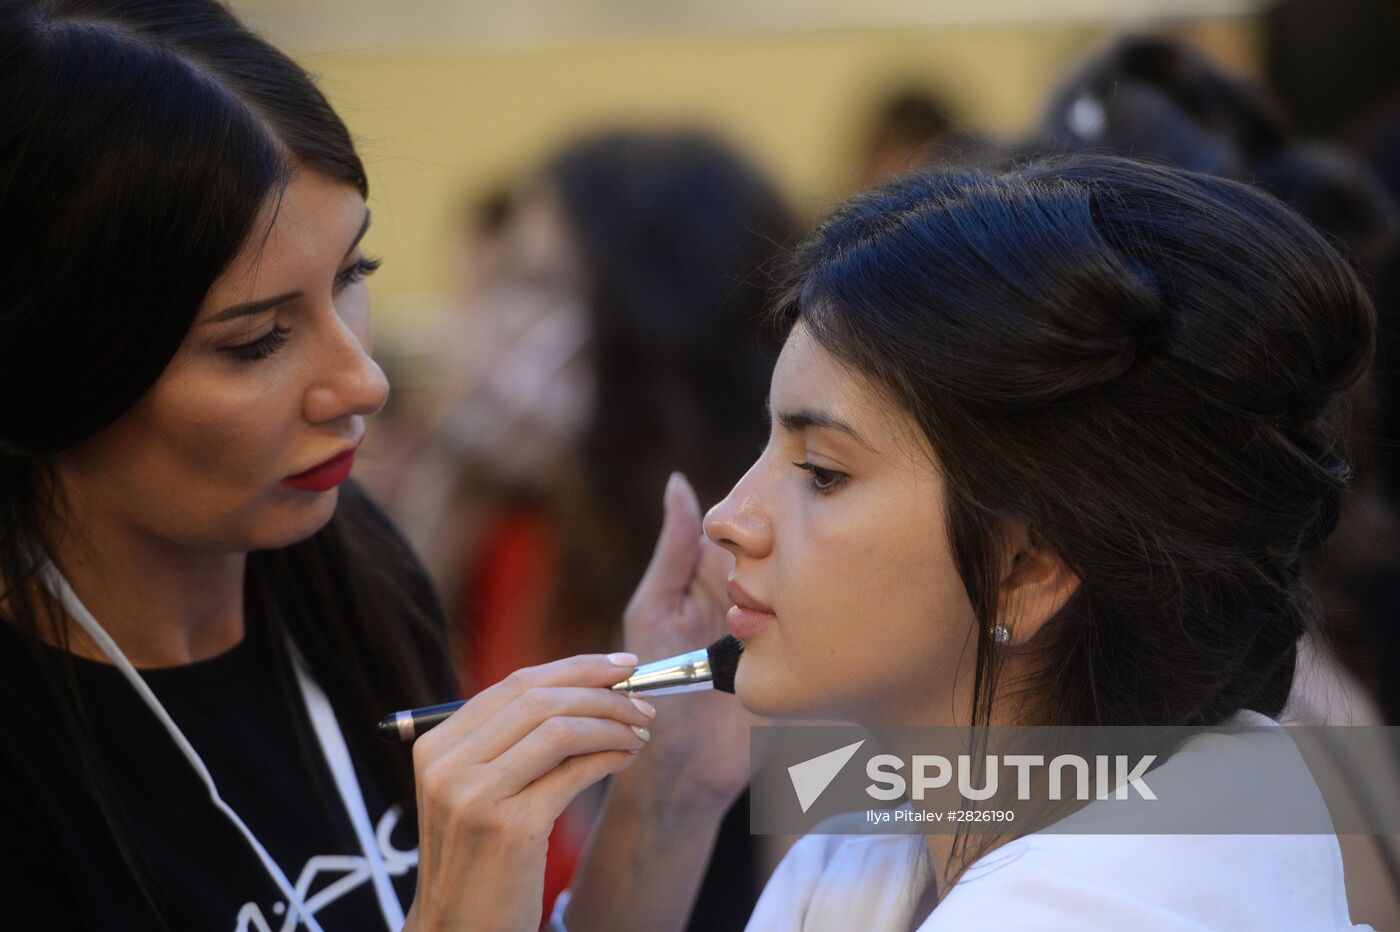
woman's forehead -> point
(810, 382)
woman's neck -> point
(1005, 711)
(164, 605)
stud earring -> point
(1001, 634)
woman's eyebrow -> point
(800, 419)
(252, 307)
(265, 304)
(364, 226)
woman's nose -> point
(348, 381)
(739, 523)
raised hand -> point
(699, 753)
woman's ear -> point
(1035, 585)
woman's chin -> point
(769, 696)
(299, 520)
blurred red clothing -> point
(504, 625)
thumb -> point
(711, 573)
(677, 552)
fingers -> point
(684, 500)
(537, 731)
(556, 789)
(541, 704)
(677, 550)
(553, 742)
(584, 670)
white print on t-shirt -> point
(353, 868)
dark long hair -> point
(1156, 97)
(140, 142)
(1147, 367)
(679, 237)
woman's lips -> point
(748, 615)
(744, 623)
(328, 475)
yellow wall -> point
(435, 126)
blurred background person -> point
(620, 328)
(907, 131)
(617, 337)
(427, 371)
(911, 129)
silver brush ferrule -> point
(684, 673)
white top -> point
(1148, 883)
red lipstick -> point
(748, 615)
(326, 475)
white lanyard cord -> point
(71, 603)
(318, 707)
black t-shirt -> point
(59, 865)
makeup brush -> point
(711, 667)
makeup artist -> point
(202, 618)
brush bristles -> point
(724, 661)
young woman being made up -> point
(1046, 449)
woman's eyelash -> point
(275, 338)
(823, 480)
(262, 347)
(363, 266)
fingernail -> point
(670, 489)
(622, 659)
(642, 733)
(646, 708)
